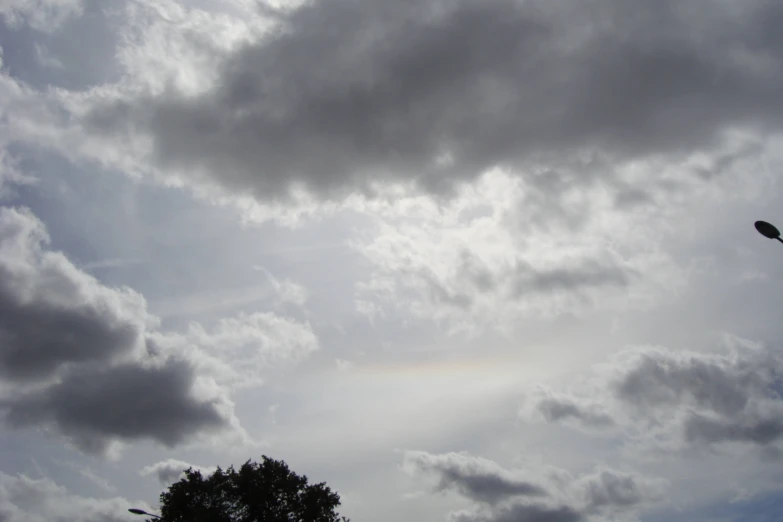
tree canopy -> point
(258, 492)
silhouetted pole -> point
(142, 512)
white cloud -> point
(238, 350)
(23, 499)
(171, 470)
(11, 175)
(42, 15)
(170, 45)
(287, 291)
(343, 365)
(45, 58)
(486, 259)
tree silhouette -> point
(258, 492)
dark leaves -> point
(258, 492)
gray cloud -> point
(51, 314)
(40, 337)
(589, 274)
(614, 490)
(346, 93)
(659, 378)
(762, 431)
(502, 495)
(95, 406)
(478, 479)
(88, 362)
(556, 409)
(75, 355)
(522, 512)
(693, 399)
(628, 198)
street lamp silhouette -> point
(142, 512)
(768, 230)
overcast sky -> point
(464, 260)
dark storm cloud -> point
(347, 92)
(38, 337)
(95, 406)
(82, 345)
(51, 314)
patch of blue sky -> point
(765, 508)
